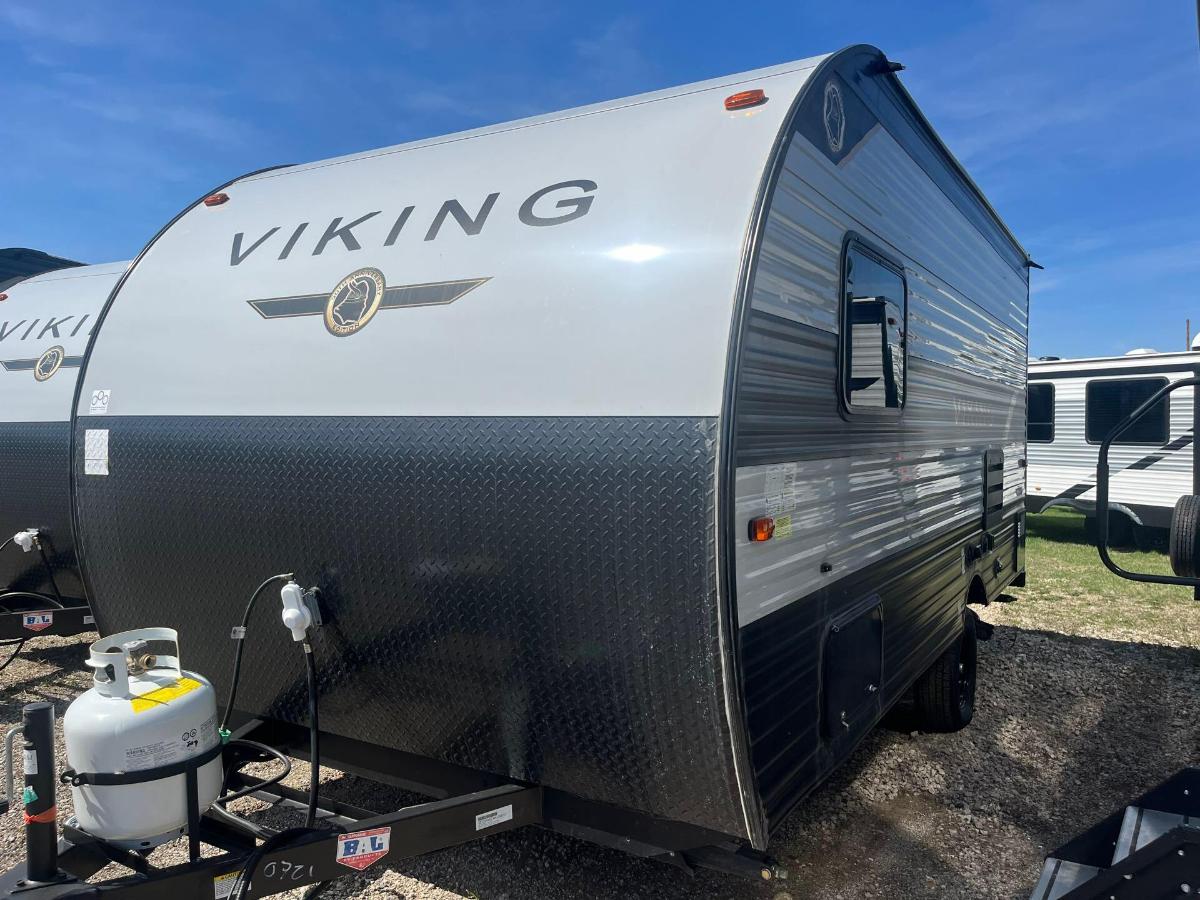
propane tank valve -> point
(300, 610)
(27, 540)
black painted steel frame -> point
(68, 621)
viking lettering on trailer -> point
(48, 331)
(52, 326)
(555, 204)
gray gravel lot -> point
(1067, 729)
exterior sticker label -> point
(37, 621)
(99, 406)
(223, 885)
(164, 695)
(95, 451)
(494, 817)
(362, 848)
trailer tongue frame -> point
(348, 839)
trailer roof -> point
(592, 109)
(727, 81)
(76, 271)
(1182, 358)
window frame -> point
(854, 240)
(1029, 385)
(1162, 381)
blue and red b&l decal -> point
(37, 621)
(360, 849)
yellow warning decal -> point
(164, 695)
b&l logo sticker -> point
(362, 848)
(38, 621)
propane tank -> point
(142, 712)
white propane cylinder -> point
(142, 712)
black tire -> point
(945, 695)
(1185, 536)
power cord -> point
(314, 736)
(237, 659)
(298, 620)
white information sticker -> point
(95, 451)
(99, 405)
(223, 885)
(31, 766)
(493, 818)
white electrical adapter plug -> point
(297, 617)
(26, 540)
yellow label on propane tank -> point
(164, 695)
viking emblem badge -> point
(354, 302)
(49, 363)
(835, 117)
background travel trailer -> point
(1074, 404)
(518, 399)
(45, 322)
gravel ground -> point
(1067, 729)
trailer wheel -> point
(1185, 536)
(945, 695)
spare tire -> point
(1185, 537)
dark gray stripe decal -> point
(1078, 490)
(434, 293)
(27, 365)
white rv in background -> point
(1074, 404)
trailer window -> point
(1110, 401)
(873, 344)
(1040, 427)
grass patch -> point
(1069, 590)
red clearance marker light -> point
(762, 529)
(3, 297)
(216, 199)
(743, 99)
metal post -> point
(41, 810)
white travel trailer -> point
(1075, 403)
(647, 452)
(45, 322)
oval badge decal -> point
(49, 363)
(835, 117)
(354, 302)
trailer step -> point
(1060, 877)
(1141, 826)
(1150, 848)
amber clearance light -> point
(216, 199)
(762, 529)
(743, 99)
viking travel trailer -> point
(1075, 403)
(20, 263)
(45, 322)
(647, 452)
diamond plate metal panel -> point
(35, 492)
(530, 597)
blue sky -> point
(1080, 120)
